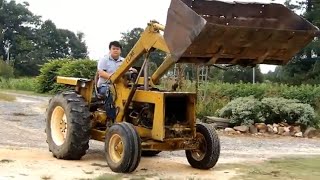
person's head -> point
(115, 49)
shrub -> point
(274, 109)
(249, 110)
(6, 71)
(48, 74)
(290, 111)
(218, 95)
(210, 107)
(80, 68)
(243, 111)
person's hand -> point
(133, 70)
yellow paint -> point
(84, 87)
(98, 135)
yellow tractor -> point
(149, 120)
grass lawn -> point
(283, 168)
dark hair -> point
(116, 44)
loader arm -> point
(149, 40)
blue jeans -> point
(109, 107)
(103, 90)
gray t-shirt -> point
(109, 65)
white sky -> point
(102, 20)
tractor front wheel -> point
(68, 126)
(122, 148)
(207, 155)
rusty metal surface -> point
(216, 32)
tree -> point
(33, 42)
(238, 74)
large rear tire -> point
(123, 148)
(208, 153)
(68, 126)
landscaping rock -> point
(299, 134)
(296, 129)
(242, 129)
(286, 129)
(310, 132)
(263, 130)
(253, 129)
(275, 130)
(262, 127)
(286, 133)
(280, 130)
(275, 125)
(229, 130)
(270, 128)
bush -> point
(290, 111)
(48, 74)
(243, 111)
(80, 68)
(83, 68)
(218, 95)
(6, 71)
(249, 110)
(274, 109)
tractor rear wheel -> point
(122, 148)
(208, 153)
(68, 126)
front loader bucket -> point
(216, 32)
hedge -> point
(249, 110)
(217, 95)
(80, 68)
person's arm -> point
(104, 74)
(101, 71)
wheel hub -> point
(116, 148)
(198, 154)
(58, 125)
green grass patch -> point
(282, 168)
(24, 84)
(6, 97)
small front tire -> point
(208, 153)
(122, 148)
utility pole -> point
(253, 75)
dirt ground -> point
(24, 153)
